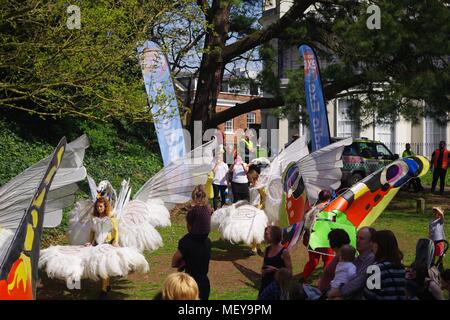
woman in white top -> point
(239, 183)
(220, 170)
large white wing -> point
(295, 151)
(322, 169)
(92, 188)
(174, 183)
(270, 178)
(15, 196)
(123, 198)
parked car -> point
(362, 158)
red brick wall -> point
(239, 122)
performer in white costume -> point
(99, 258)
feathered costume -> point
(136, 221)
(244, 222)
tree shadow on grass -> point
(253, 277)
(54, 289)
(222, 250)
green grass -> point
(407, 225)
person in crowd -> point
(388, 267)
(439, 165)
(239, 181)
(219, 183)
(337, 239)
(249, 147)
(278, 289)
(354, 288)
(436, 231)
(179, 286)
(414, 182)
(345, 270)
(275, 256)
(194, 249)
(314, 256)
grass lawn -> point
(233, 274)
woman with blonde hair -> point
(180, 286)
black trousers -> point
(240, 191)
(438, 173)
(219, 190)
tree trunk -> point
(212, 64)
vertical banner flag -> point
(163, 102)
(315, 103)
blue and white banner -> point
(163, 102)
(315, 103)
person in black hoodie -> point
(194, 249)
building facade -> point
(423, 136)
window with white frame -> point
(229, 126)
(386, 134)
(251, 119)
(346, 127)
(433, 133)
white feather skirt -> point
(159, 216)
(218, 216)
(73, 263)
(140, 236)
(244, 223)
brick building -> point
(228, 98)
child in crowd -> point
(345, 268)
(436, 231)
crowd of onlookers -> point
(374, 270)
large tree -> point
(394, 67)
(93, 72)
(52, 67)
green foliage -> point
(93, 72)
(392, 68)
(116, 152)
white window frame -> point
(227, 123)
(342, 120)
(251, 118)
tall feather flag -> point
(163, 102)
(315, 102)
(19, 266)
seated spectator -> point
(345, 269)
(426, 287)
(279, 288)
(391, 272)
(355, 287)
(275, 256)
(337, 238)
(180, 286)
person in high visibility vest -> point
(414, 182)
(439, 164)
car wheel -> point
(354, 178)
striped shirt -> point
(392, 283)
